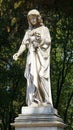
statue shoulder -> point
(45, 27)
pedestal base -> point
(40, 128)
(38, 118)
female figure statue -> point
(37, 72)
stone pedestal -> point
(38, 118)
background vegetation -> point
(58, 17)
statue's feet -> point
(33, 104)
(45, 104)
(36, 103)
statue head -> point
(34, 18)
(33, 12)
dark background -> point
(58, 17)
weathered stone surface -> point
(38, 118)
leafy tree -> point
(13, 21)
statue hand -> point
(15, 56)
(38, 36)
(35, 44)
(32, 38)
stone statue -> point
(37, 72)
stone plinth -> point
(38, 118)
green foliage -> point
(13, 24)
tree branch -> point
(68, 104)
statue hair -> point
(39, 21)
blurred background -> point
(58, 17)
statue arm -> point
(46, 39)
(47, 36)
(22, 48)
(20, 51)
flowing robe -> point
(37, 71)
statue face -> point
(33, 19)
